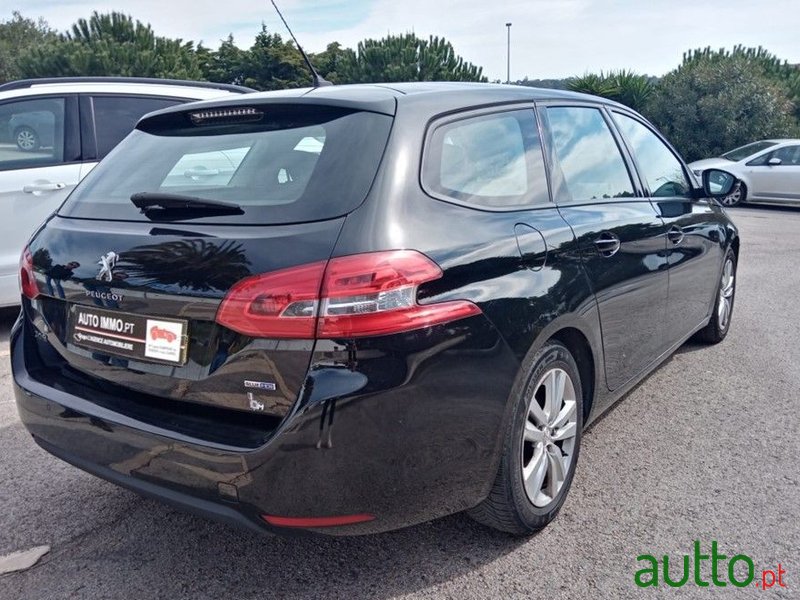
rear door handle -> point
(675, 234)
(607, 244)
(32, 188)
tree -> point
(228, 64)
(711, 104)
(405, 58)
(779, 71)
(330, 62)
(269, 64)
(17, 35)
(111, 44)
(273, 64)
(625, 87)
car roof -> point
(432, 97)
(780, 141)
(109, 85)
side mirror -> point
(718, 183)
(774, 161)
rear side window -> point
(492, 161)
(590, 159)
(291, 164)
(116, 116)
(658, 165)
(31, 133)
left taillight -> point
(27, 282)
(368, 294)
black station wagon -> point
(352, 309)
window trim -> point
(72, 147)
(559, 195)
(464, 115)
(645, 186)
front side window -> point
(660, 168)
(590, 159)
(492, 161)
(788, 155)
(116, 116)
(31, 133)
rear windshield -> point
(745, 151)
(293, 164)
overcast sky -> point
(549, 38)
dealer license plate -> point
(151, 339)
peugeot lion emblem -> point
(107, 263)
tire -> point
(27, 139)
(720, 322)
(737, 196)
(513, 505)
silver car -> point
(769, 171)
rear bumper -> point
(407, 454)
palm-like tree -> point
(199, 265)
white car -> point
(768, 171)
(54, 131)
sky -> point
(549, 38)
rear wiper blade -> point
(146, 201)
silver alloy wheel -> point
(734, 197)
(548, 439)
(726, 289)
(26, 139)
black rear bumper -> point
(406, 454)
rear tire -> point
(720, 322)
(737, 196)
(541, 446)
(26, 139)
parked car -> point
(405, 301)
(32, 130)
(768, 171)
(53, 132)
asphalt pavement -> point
(706, 449)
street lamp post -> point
(508, 54)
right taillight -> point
(27, 282)
(351, 296)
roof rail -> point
(26, 83)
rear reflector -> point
(317, 521)
(27, 282)
(352, 296)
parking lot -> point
(706, 448)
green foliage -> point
(779, 71)
(405, 58)
(625, 87)
(715, 102)
(111, 44)
(17, 35)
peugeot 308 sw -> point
(353, 309)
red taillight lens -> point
(376, 294)
(355, 296)
(27, 282)
(281, 304)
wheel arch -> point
(580, 348)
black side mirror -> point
(718, 183)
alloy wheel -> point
(733, 198)
(726, 289)
(548, 438)
(26, 139)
